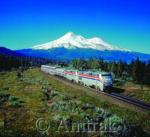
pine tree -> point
(138, 71)
(120, 68)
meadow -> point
(32, 95)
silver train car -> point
(99, 80)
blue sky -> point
(123, 23)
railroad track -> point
(124, 98)
(120, 97)
(130, 100)
(127, 99)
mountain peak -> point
(69, 34)
(72, 41)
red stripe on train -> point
(83, 75)
(89, 76)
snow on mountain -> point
(72, 41)
(60, 49)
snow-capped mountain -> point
(71, 46)
(72, 41)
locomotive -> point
(97, 79)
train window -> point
(106, 75)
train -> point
(96, 79)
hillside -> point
(34, 95)
(10, 59)
(8, 52)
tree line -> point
(136, 70)
(14, 62)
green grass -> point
(144, 95)
(29, 90)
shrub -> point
(15, 102)
(3, 97)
